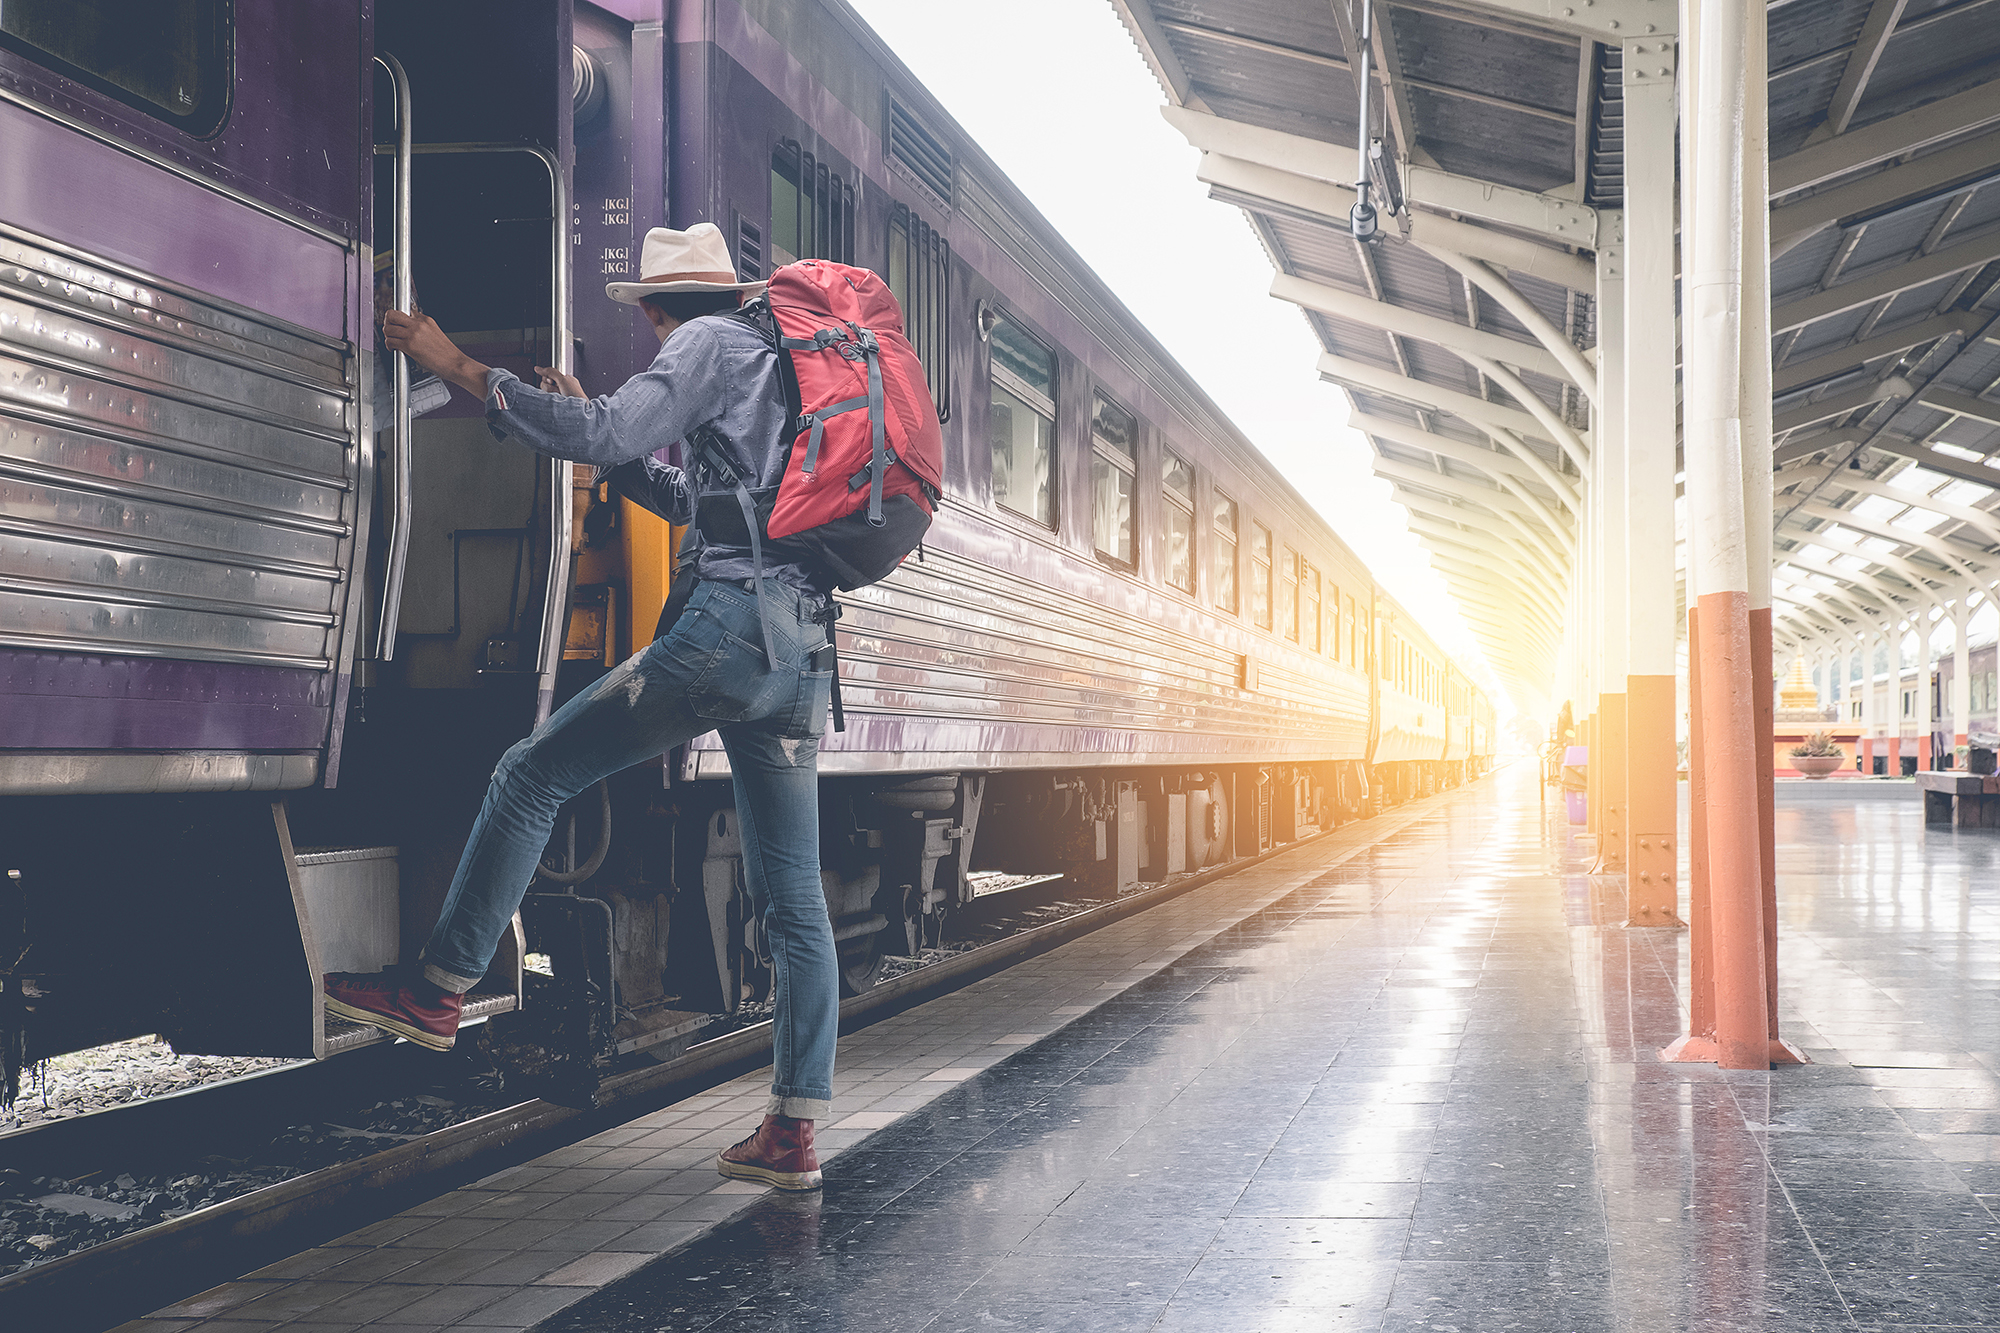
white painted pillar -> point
(1961, 679)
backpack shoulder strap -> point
(756, 315)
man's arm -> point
(418, 337)
(686, 386)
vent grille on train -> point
(919, 152)
(749, 251)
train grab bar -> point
(399, 413)
(562, 518)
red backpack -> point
(865, 469)
(866, 463)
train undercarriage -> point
(208, 919)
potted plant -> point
(1818, 756)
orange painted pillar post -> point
(1701, 936)
(1729, 545)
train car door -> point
(469, 569)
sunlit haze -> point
(1057, 94)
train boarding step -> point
(352, 902)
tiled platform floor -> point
(1420, 1093)
(1414, 1089)
(514, 1249)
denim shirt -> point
(713, 379)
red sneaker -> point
(779, 1154)
(421, 1013)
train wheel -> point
(860, 960)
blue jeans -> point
(709, 673)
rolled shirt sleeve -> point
(685, 388)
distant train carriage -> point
(264, 629)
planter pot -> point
(1817, 765)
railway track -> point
(142, 1270)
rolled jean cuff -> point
(448, 981)
(800, 1108)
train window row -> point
(174, 61)
(812, 208)
(812, 216)
(1287, 595)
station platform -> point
(1405, 1082)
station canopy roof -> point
(1465, 340)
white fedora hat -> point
(695, 260)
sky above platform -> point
(1057, 94)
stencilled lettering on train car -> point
(617, 260)
(618, 212)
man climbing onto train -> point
(746, 657)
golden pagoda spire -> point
(1798, 692)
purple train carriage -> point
(269, 613)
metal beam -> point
(1953, 166)
(1850, 357)
(1565, 220)
(1285, 191)
(1486, 491)
(1898, 278)
(1969, 110)
(1963, 404)
(1978, 519)
(1923, 541)
(1370, 379)
(1840, 404)
(1604, 20)
(1910, 572)
(1521, 308)
(1861, 61)
(1446, 333)
(1936, 462)
(1519, 461)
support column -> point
(1607, 500)
(1961, 681)
(1925, 711)
(1646, 390)
(1728, 471)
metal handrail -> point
(399, 413)
(555, 602)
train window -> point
(1260, 575)
(1353, 649)
(1225, 552)
(812, 209)
(1023, 423)
(1309, 609)
(173, 59)
(1333, 621)
(1113, 461)
(919, 273)
(1288, 594)
(1177, 490)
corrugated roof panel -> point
(1313, 117)
(1436, 366)
(1492, 144)
(1895, 237)
(1286, 22)
(1925, 61)
(1416, 281)
(1361, 342)
(1505, 63)
(1319, 253)
(1798, 269)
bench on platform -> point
(1968, 800)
